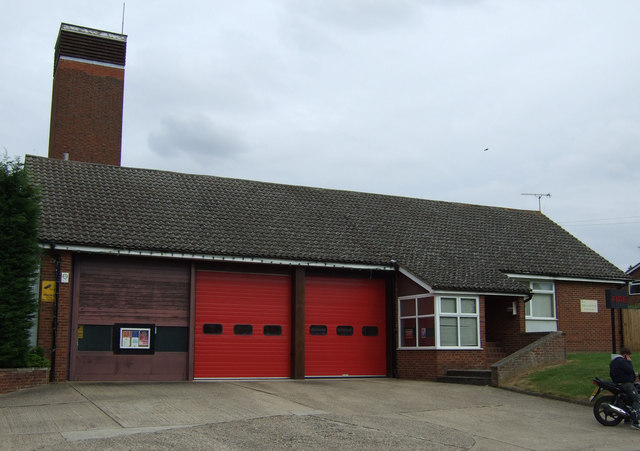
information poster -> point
(135, 338)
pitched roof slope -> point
(447, 245)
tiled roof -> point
(448, 245)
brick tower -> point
(88, 93)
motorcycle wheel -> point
(601, 415)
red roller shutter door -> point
(243, 325)
(345, 305)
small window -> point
(448, 305)
(243, 329)
(344, 331)
(370, 331)
(212, 329)
(316, 329)
(542, 286)
(272, 330)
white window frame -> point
(541, 323)
(437, 314)
(458, 315)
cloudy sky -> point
(396, 97)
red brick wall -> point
(13, 379)
(86, 112)
(584, 331)
(47, 315)
(429, 364)
(548, 350)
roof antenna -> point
(539, 196)
(122, 32)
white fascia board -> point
(220, 258)
(479, 293)
(563, 279)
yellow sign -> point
(80, 332)
(48, 291)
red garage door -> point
(345, 327)
(243, 325)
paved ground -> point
(323, 414)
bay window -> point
(438, 322)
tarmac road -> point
(316, 414)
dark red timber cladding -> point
(338, 302)
(240, 300)
(110, 290)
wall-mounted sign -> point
(617, 299)
(48, 292)
(134, 338)
(588, 306)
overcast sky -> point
(396, 97)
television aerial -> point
(539, 196)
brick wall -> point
(12, 379)
(59, 370)
(547, 350)
(584, 331)
(86, 112)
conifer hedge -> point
(19, 259)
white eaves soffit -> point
(219, 258)
(564, 279)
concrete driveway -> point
(287, 414)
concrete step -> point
(469, 377)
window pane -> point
(317, 329)
(468, 332)
(408, 332)
(427, 332)
(448, 305)
(272, 330)
(212, 329)
(370, 331)
(542, 306)
(544, 286)
(467, 305)
(527, 308)
(243, 329)
(344, 331)
(448, 331)
(425, 306)
(407, 307)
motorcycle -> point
(610, 410)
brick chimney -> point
(88, 93)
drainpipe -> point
(392, 318)
(55, 315)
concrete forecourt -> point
(293, 414)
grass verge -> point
(572, 380)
